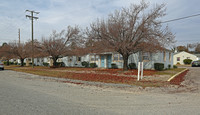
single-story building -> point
(104, 60)
(180, 56)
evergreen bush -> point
(187, 61)
(114, 66)
(85, 64)
(158, 66)
(132, 66)
(93, 65)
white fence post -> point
(138, 71)
(142, 70)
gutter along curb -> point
(177, 75)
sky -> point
(59, 14)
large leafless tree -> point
(59, 44)
(132, 29)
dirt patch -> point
(179, 78)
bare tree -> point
(197, 48)
(182, 48)
(59, 44)
(132, 29)
(20, 51)
(6, 53)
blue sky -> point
(58, 14)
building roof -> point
(184, 52)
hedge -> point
(85, 64)
(187, 61)
(158, 66)
(93, 65)
(132, 66)
(114, 66)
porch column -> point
(106, 61)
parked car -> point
(196, 64)
(1, 65)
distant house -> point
(104, 60)
(180, 56)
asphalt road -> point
(26, 94)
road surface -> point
(26, 94)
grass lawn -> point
(151, 78)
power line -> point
(181, 18)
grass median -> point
(151, 78)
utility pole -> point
(31, 18)
(19, 34)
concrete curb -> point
(177, 74)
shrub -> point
(8, 63)
(45, 64)
(174, 66)
(158, 66)
(178, 63)
(114, 66)
(169, 66)
(5, 62)
(62, 64)
(85, 64)
(93, 65)
(132, 66)
(187, 61)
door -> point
(109, 58)
(102, 61)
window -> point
(164, 56)
(69, 59)
(145, 56)
(120, 57)
(92, 58)
(97, 57)
(178, 58)
(78, 58)
(117, 57)
(188, 57)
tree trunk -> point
(8, 62)
(54, 62)
(125, 59)
(22, 62)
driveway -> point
(26, 94)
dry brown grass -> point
(100, 75)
